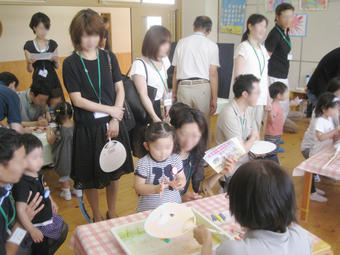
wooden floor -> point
(324, 219)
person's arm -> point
(113, 129)
(329, 135)
(239, 64)
(17, 127)
(178, 183)
(88, 105)
(35, 233)
(213, 78)
(203, 237)
(141, 86)
(271, 117)
(250, 141)
(55, 58)
(29, 61)
(142, 188)
(174, 85)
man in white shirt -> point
(196, 59)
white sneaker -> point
(317, 178)
(77, 192)
(320, 192)
(318, 198)
(66, 194)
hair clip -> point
(58, 110)
(336, 100)
(148, 125)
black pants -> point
(305, 154)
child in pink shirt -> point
(274, 130)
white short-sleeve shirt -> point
(194, 55)
(252, 66)
(323, 126)
(154, 80)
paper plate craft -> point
(262, 148)
(112, 156)
(170, 220)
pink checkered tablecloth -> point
(97, 239)
(316, 164)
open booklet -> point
(216, 156)
(42, 56)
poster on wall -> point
(298, 27)
(313, 5)
(272, 4)
(233, 13)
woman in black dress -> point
(97, 96)
(40, 25)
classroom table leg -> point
(306, 195)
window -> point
(159, 1)
(152, 21)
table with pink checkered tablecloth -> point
(97, 238)
(316, 164)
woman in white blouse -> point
(251, 57)
(153, 72)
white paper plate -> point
(170, 220)
(112, 156)
(262, 147)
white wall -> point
(15, 20)
(323, 33)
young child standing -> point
(323, 131)
(47, 231)
(159, 175)
(275, 121)
(61, 139)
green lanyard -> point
(243, 127)
(165, 86)
(8, 223)
(189, 175)
(28, 107)
(258, 59)
(40, 51)
(284, 36)
(99, 94)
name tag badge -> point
(290, 56)
(43, 73)
(98, 115)
(168, 100)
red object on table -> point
(316, 165)
(97, 239)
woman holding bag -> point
(97, 94)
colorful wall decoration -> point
(233, 13)
(272, 4)
(313, 5)
(299, 25)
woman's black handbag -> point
(133, 99)
(128, 118)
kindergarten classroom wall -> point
(323, 32)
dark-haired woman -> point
(192, 136)
(97, 95)
(153, 70)
(251, 57)
(40, 25)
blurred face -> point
(285, 19)
(164, 50)
(35, 160)
(161, 149)
(13, 170)
(253, 96)
(40, 99)
(258, 31)
(55, 101)
(188, 136)
(40, 31)
(12, 86)
(332, 112)
(89, 42)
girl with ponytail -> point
(251, 57)
(61, 138)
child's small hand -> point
(229, 166)
(36, 235)
(176, 183)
